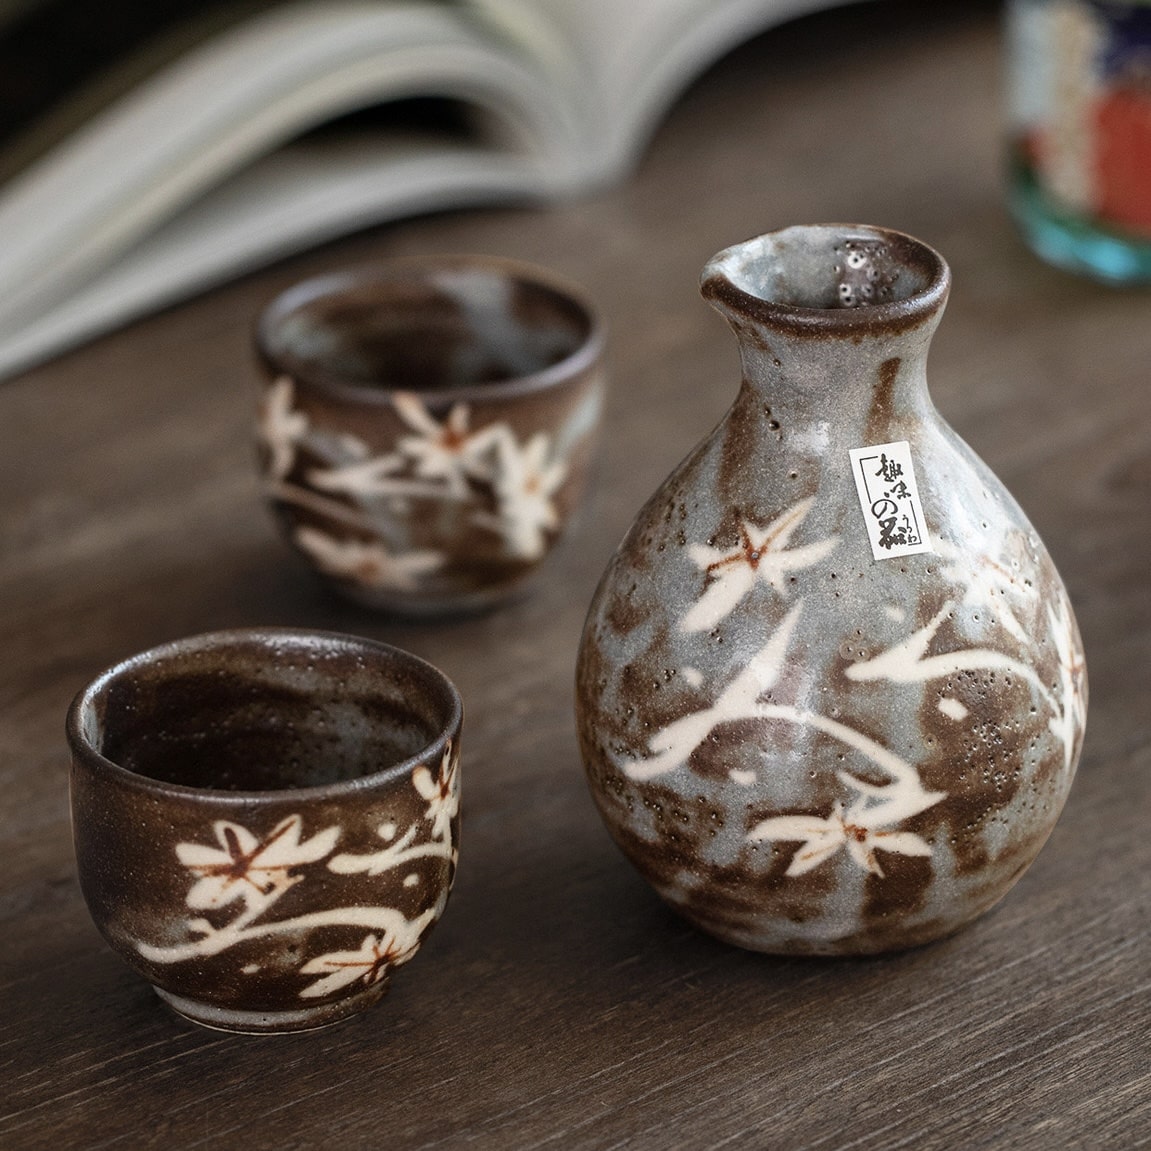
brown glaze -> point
(883, 406)
(427, 426)
(226, 793)
(399, 326)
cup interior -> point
(257, 712)
(827, 267)
(430, 326)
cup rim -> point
(297, 295)
(722, 291)
(87, 700)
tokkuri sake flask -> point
(831, 693)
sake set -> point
(830, 695)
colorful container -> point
(1080, 86)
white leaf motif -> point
(367, 563)
(280, 426)
(525, 480)
(442, 793)
(447, 452)
(674, 744)
(247, 868)
(860, 830)
(761, 554)
(371, 962)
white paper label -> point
(885, 481)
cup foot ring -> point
(271, 1022)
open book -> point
(211, 167)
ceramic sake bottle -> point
(831, 693)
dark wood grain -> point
(559, 1004)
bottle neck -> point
(833, 323)
(860, 389)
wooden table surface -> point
(559, 1003)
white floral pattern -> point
(1070, 712)
(985, 586)
(525, 483)
(483, 477)
(449, 451)
(363, 477)
(762, 554)
(369, 564)
(861, 830)
(243, 867)
(908, 662)
(280, 426)
(743, 699)
(442, 793)
(869, 823)
(371, 962)
(256, 870)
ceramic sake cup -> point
(266, 822)
(426, 426)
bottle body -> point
(803, 747)
(1080, 133)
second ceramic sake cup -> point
(266, 822)
(426, 426)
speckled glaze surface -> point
(426, 426)
(817, 715)
(266, 823)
